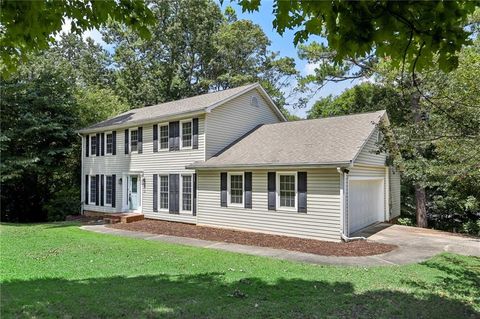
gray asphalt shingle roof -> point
(192, 104)
(325, 141)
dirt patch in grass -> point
(355, 248)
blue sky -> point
(279, 43)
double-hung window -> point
(236, 188)
(108, 189)
(134, 140)
(109, 143)
(287, 190)
(93, 145)
(186, 136)
(93, 190)
(163, 137)
(186, 192)
(163, 191)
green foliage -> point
(196, 49)
(29, 26)
(406, 221)
(411, 31)
(39, 115)
(64, 202)
(471, 227)
(68, 272)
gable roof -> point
(319, 142)
(192, 105)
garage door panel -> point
(365, 203)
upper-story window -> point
(93, 145)
(109, 143)
(134, 140)
(186, 134)
(164, 137)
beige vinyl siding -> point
(369, 155)
(235, 118)
(147, 163)
(322, 220)
(395, 179)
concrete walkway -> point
(414, 246)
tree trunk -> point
(421, 207)
(420, 193)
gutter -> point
(343, 171)
(267, 165)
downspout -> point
(343, 177)
(82, 189)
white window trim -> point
(130, 140)
(105, 144)
(160, 209)
(159, 137)
(180, 195)
(277, 191)
(105, 191)
(90, 190)
(229, 184)
(90, 145)
(181, 134)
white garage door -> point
(365, 203)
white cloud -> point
(94, 33)
(310, 68)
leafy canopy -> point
(28, 26)
(410, 31)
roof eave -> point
(270, 165)
(141, 122)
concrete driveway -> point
(418, 244)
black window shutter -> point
(87, 145)
(155, 192)
(155, 138)
(177, 136)
(140, 140)
(171, 136)
(271, 191)
(248, 189)
(114, 143)
(126, 141)
(98, 144)
(97, 190)
(102, 139)
(195, 134)
(302, 192)
(114, 186)
(194, 207)
(86, 189)
(102, 189)
(223, 189)
(173, 205)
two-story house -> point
(230, 159)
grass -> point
(59, 270)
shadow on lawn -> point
(210, 295)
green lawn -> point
(58, 270)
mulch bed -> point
(355, 248)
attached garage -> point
(365, 203)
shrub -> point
(64, 202)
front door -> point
(133, 192)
